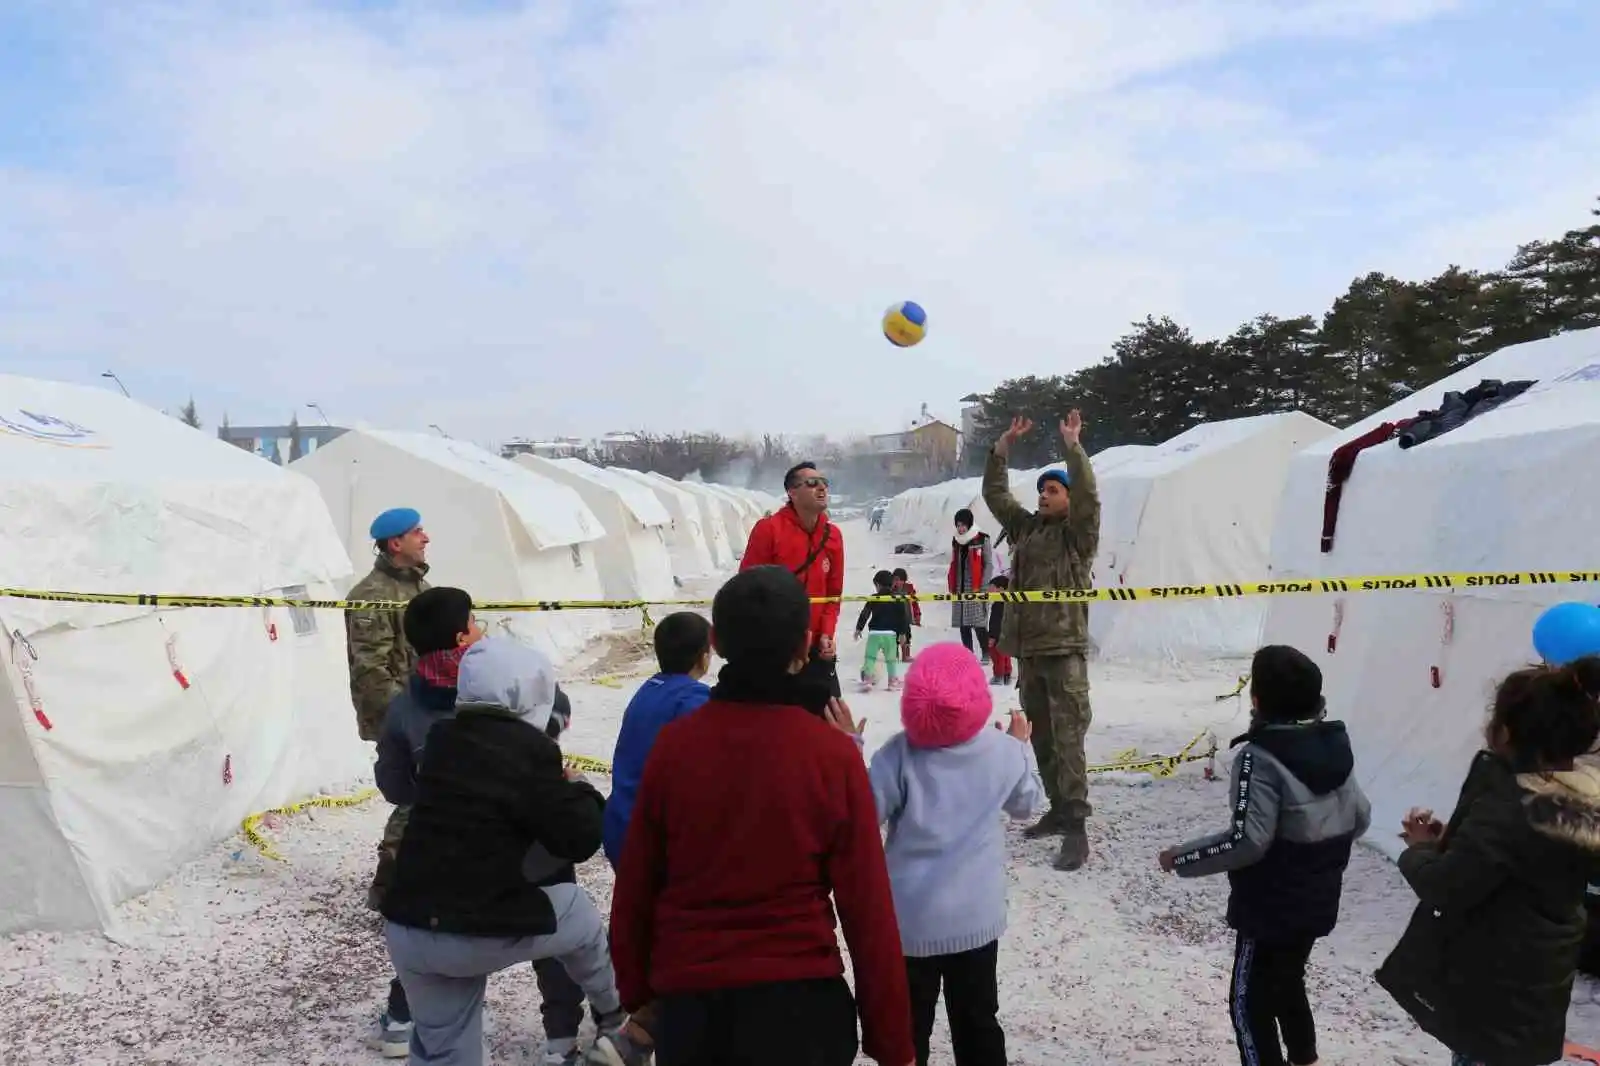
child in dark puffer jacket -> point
(1488, 962)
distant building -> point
(279, 444)
(555, 448)
(971, 407)
(925, 452)
(617, 446)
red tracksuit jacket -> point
(780, 540)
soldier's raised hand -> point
(1072, 427)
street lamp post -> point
(120, 385)
(439, 431)
(318, 408)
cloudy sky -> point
(582, 215)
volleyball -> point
(905, 324)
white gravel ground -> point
(237, 960)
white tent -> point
(686, 541)
(1506, 491)
(132, 738)
(498, 530)
(716, 532)
(735, 519)
(1196, 509)
(635, 562)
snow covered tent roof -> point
(633, 556)
(97, 702)
(1108, 459)
(1499, 493)
(691, 555)
(1196, 509)
(643, 504)
(498, 530)
(715, 522)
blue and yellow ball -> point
(905, 324)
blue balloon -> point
(1566, 632)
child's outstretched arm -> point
(1256, 793)
(888, 783)
(1027, 799)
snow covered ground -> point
(243, 961)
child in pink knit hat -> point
(940, 786)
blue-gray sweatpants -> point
(445, 974)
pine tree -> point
(1381, 340)
(189, 416)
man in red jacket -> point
(751, 814)
(799, 538)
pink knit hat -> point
(946, 700)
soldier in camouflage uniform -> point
(381, 664)
(380, 659)
(1053, 548)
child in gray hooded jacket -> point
(1296, 813)
(477, 884)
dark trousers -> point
(399, 1009)
(824, 670)
(982, 635)
(785, 1023)
(1268, 997)
(971, 1004)
(560, 1000)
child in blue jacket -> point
(683, 657)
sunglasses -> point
(810, 483)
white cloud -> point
(690, 214)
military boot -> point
(1074, 846)
(1052, 824)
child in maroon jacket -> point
(903, 587)
(754, 816)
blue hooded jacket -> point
(660, 700)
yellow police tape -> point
(1131, 761)
(1222, 590)
(252, 825)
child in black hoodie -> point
(887, 624)
(1297, 812)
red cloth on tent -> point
(1341, 465)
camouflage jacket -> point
(1047, 553)
(380, 659)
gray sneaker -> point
(390, 1038)
(560, 1053)
(614, 1047)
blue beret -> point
(1058, 476)
(395, 522)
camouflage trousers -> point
(1055, 697)
(388, 851)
